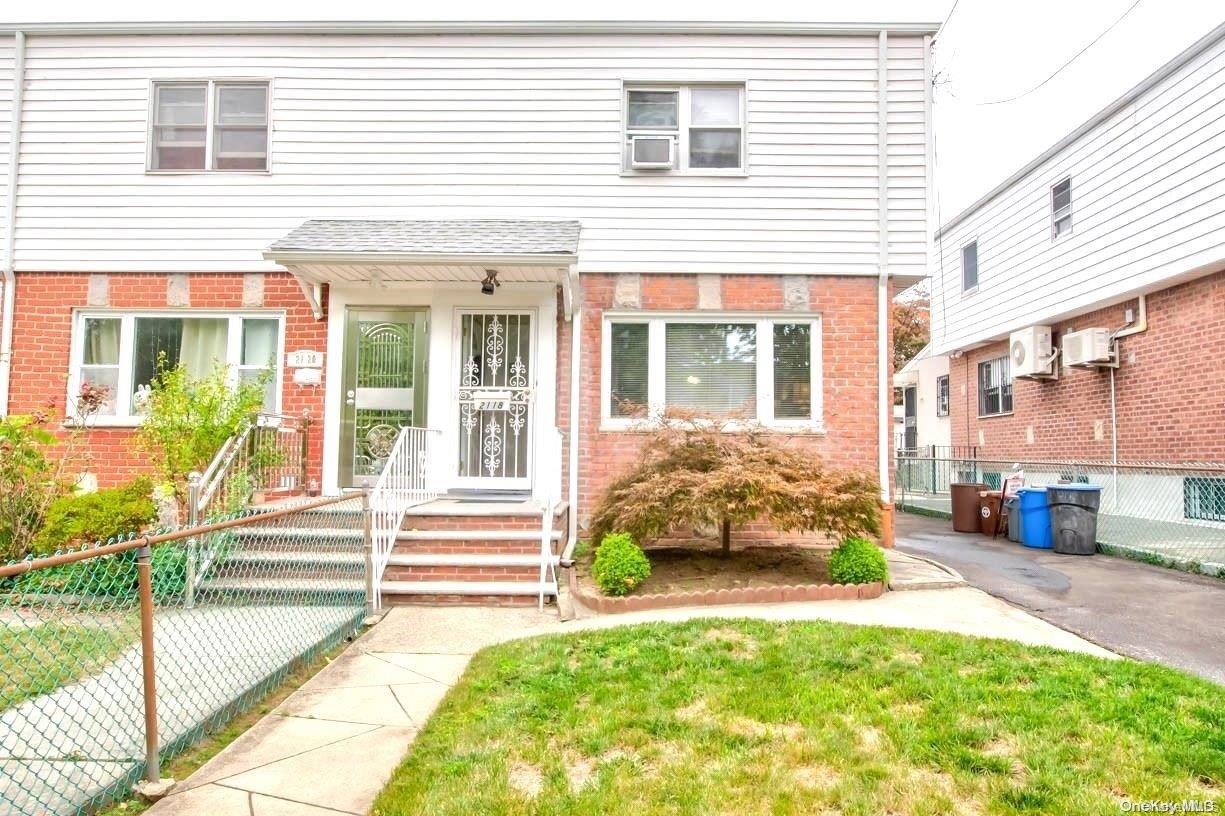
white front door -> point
(496, 376)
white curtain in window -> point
(101, 342)
(711, 366)
(204, 345)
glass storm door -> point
(496, 373)
(384, 387)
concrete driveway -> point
(1145, 612)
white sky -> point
(991, 49)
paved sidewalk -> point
(1142, 611)
(333, 744)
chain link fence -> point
(118, 656)
(1167, 514)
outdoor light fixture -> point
(491, 282)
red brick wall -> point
(848, 310)
(1169, 389)
(42, 333)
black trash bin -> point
(1012, 508)
(1074, 517)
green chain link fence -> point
(235, 605)
(1169, 514)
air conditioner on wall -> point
(1031, 352)
(652, 152)
(1087, 348)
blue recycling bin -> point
(1035, 518)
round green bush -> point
(857, 561)
(620, 565)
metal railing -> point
(269, 456)
(1156, 511)
(407, 480)
(548, 560)
(106, 671)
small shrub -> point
(99, 516)
(620, 565)
(188, 419)
(857, 561)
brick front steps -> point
(724, 597)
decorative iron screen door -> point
(384, 382)
(496, 371)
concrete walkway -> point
(333, 744)
(1145, 612)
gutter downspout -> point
(1138, 326)
(576, 348)
(885, 403)
(10, 223)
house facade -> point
(1081, 303)
(518, 236)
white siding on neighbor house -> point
(1148, 209)
(7, 52)
(476, 126)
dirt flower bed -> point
(697, 574)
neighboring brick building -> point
(1117, 227)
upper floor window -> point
(121, 352)
(209, 125)
(969, 266)
(942, 395)
(994, 387)
(1061, 208)
(737, 365)
(687, 127)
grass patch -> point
(191, 760)
(753, 717)
(37, 658)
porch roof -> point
(379, 253)
(423, 242)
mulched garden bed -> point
(700, 575)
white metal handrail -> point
(407, 480)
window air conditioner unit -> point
(1031, 352)
(652, 152)
(1089, 347)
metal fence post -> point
(193, 519)
(144, 567)
(368, 546)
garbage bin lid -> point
(1077, 486)
(1032, 490)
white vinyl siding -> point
(1149, 203)
(122, 350)
(746, 366)
(476, 126)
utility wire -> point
(1073, 59)
(947, 17)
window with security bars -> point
(942, 395)
(738, 365)
(1203, 498)
(209, 125)
(1061, 208)
(994, 387)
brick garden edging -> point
(722, 597)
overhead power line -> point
(1071, 60)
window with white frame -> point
(122, 352)
(969, 266)
(1061, 208)
(209, 125)
(766, 369)
(698, 128)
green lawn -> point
(750, 717)
(38, 658)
